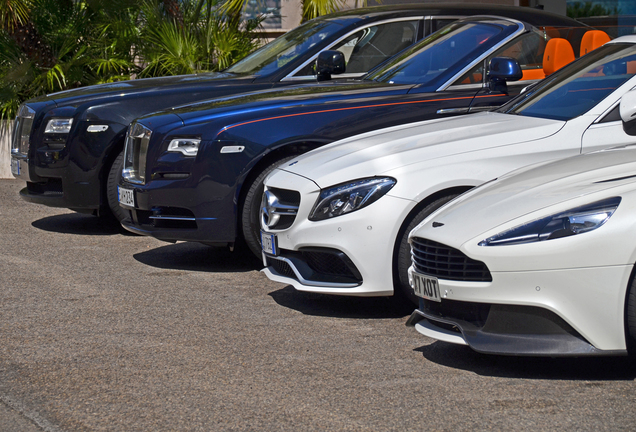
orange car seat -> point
(593, 39)
(558, 53)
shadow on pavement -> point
(198, 257)
(565, 368)
(339, 306)
(80, 224)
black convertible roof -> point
(531, 16)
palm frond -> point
(316, 8)
(13, 13)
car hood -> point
(386, 151)
(137, 86)
(531, 189)
(287, 98)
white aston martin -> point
(538, 262)
(336, 220)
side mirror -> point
(628, 112)
(501, 70)
(329, 62)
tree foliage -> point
(589, 8)
(52, 45)
(310, 8)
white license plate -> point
(126, 196)
(15, 167)
(268, 242)
(426, 287)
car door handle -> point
(453, 111)
(483, 108)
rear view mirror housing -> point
(501, 70)
(329, 62)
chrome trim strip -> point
(475, 86)
(305, 281)
(456, 17)
(290, 77)
(310, 77)
(607, 111)
(180, 218)
(524, 83)
(125, 173)
(484, 56)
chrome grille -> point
(136, 153)
(22, 131)
(279, 208)
(445, 262)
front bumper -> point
(571, 312)
(179, 210)
(358, 246)
(69, 175)
(61, 188)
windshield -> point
(457, 44)
(285, 48)
(577, 88)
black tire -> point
(630, 317)
(402, 289)
(114, 175)
(250, 210)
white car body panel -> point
(582, 278)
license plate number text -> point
(426, 287)
(15, 167)
(268, 242)
(126, 196)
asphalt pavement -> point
(101, 330)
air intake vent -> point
(445, 262)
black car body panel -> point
(200, 198)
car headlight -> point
(59, 125)
(348, 197)
(570, 222)
(187, 146)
